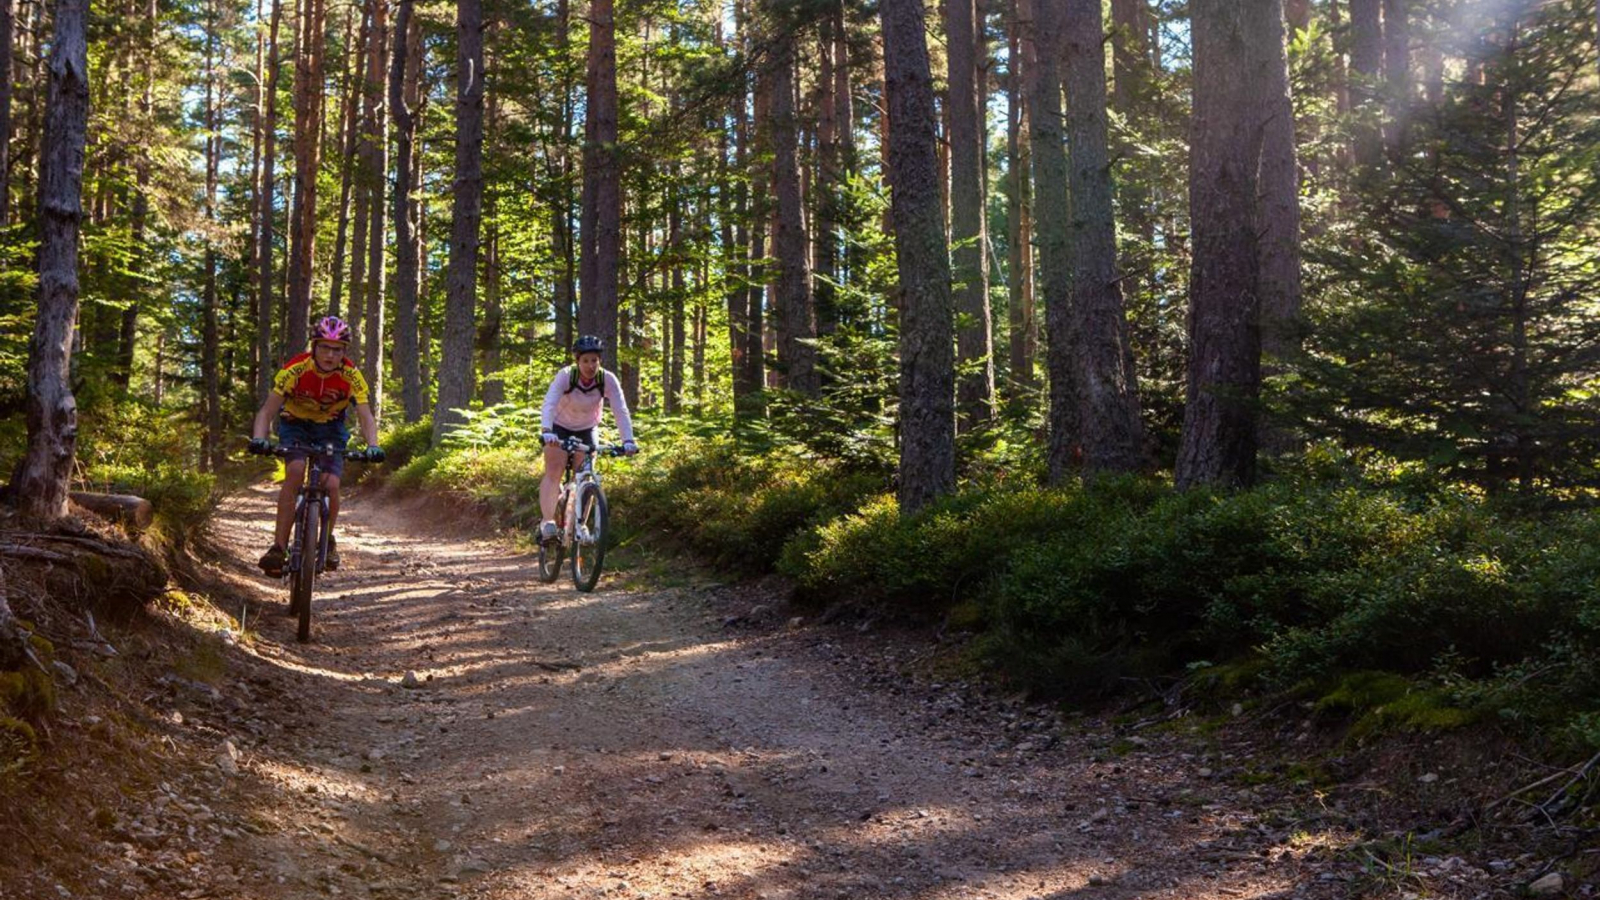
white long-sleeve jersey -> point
(579, 409)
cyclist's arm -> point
(369, 425)
(547, 413)
(619, 407)
(269, 411)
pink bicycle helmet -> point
(331, 328)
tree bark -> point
(969, 229)
(826, 191)
(1108, 400)
(927, 374)
(759, 214)
(347, 166)
(266, 311)
(1019, 202)
(128, 332)
(563, 231)
(1366, 63)
(52, 413)
(8, 26)
(456, 363)
(797, 325)
(212, 455)
(1218, 443)
(1053, 224)
(673, 337)
(1279, 209)
(1396, 72)
(307, 158)
(407, 273)
(602, 183)
(374, 156)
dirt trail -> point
(632, 743)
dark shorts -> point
(586, 435)
(301, 432)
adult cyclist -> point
(572, 409)
(310, 396)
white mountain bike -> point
(581, 514)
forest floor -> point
(669, 736)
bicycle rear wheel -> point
(589, 547)
(305, 579)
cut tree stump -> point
(133, 513)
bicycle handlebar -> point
(285, 450)
(573, 445)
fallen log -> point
(127, 510)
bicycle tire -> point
(305, 580)
(549, 560)
(588, 556)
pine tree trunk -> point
(797, 326)
(351, 112)
(1053, 225)
(52, 413)
(456, 363)
(1396, 72)
(969, 231)
(759, 213)
(1108, 400)
(128, 331)
(8, 27)
(407, 274)
(1218, 443)
(1132, 70)
(307, 156)
(602, 185)
(212, 455)
(1019, 201)
(927, 374)
(827, 185)
(1279, 223)
(734, 216)
(374, 166)
(266, 311)
(561, 213)
(672, 368)
(1366, 63)
(493, 325)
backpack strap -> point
(572, 380)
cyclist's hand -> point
(629, 448)
(550, 439)
(375, 454)
(259, 446)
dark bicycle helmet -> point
(588, 344)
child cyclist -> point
(310, 396)
(572, 409)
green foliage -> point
(405, 443)
(1453, 320)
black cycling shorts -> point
(586, 435)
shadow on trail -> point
(565, 745)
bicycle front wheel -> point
(305, 579)
(589, 549)
(549, 560)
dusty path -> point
(637, 744)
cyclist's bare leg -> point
(294, 473)
(331, 484)
(555, 464)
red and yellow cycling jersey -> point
(317, 397)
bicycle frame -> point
(311, 491)
(571, 479)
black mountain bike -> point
(581, 514)
(308, 546)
